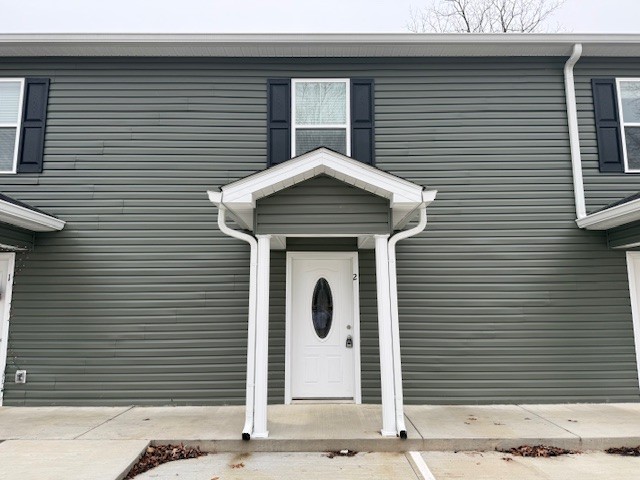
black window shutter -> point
(34, 118)
(362, 128)
(278, 120)
(607, 117)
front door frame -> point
(10, 258)
(353, 256)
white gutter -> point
(216, 198)
(612, 217)
(427, 197)
(574, 136)
(28, 219)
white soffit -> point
(404, 196)
(611, 217)
(316, 45)
(28, 219)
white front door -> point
(323, 326)
(7, 261)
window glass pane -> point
(321, 103)
(632, 139)
(322, 308)
(9, 101)
(309, 139)
(7, 146)
(630, 96)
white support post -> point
(262, 337)
(385, 336)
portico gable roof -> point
(240, 197)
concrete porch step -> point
(297, 428)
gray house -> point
(254, 219)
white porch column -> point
(262, 337)
(385, 337)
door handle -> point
(349, 342)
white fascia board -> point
(316, 45)
(404, 197)
(350, 171)
(611, 217)
(28, 219)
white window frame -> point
(346, 125)
(624, 124)
(17, 124)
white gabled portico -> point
(406, 201)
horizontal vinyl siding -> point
(322, 205)
(624, 235)
(601, 189)
(140, 299)
(15, 237)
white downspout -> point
(574, 137)
(216, 198)
(395, 321)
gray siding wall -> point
(140, 299)
(601, 189)
(624, 235)
(322, 205)
(15, 237)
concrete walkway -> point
(309, 428)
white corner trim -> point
(633, 264)
(4, 321)
(29, 219)
(574, 135)
(611, 217)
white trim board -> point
(4, 321)
(633, 267)
(353, 256)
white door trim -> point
(632, 259)
(4, 321)
(353, 256)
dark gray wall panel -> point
(601, 189)
(140, 299)
(322, 205)
(624, 236)
(15, 237)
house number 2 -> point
(355, 276)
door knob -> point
(349, 342)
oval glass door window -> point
(322, 308)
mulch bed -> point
(626, 451)
(543, 451)
(160, 454)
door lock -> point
(349, 342)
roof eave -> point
(611, 217)
(316, 45)
(27, 219)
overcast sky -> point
(241, 16)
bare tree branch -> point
(483, 16)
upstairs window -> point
(305, 114)
(629, 106)
(320, 115)
(11, 93)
